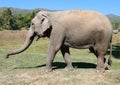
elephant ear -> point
(45, 23)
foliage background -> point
(15, 19)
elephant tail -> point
(109, 59)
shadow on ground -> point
(59, 65)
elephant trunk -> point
(29, 40)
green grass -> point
(27, 68)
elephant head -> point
(40, 27)
(41, 24)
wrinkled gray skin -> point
(81, 29)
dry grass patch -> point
(61, 77)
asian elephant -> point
(81, 29)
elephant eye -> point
(32, 24)
(42, 20)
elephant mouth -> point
(37, 37)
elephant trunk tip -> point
(7, 56)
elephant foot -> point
(100, 69)
(69, 68)
(106, 65)
(47, 69)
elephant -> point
(80, 29)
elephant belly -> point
(79, 44)
(81, 39)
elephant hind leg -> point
(93, 51)
(101, 60)
(66, 55)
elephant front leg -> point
(66, 55)
(50, 57)
(56, 41)
(54, 46)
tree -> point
(16, 21)
(115, 22)
(8, 22)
